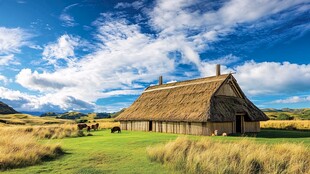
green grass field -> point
(126, 152)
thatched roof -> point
(191, 101)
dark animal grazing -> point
(116, 128)
(88, 128)
(81, 126)
(95, 126)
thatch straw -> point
(190, 101)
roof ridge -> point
(200, 78)
(188, 82)
(177, 86)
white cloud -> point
(204, 26)
(294, 99)
(273, 77)
(266, 78)
(12, 39)
(3, 79)
(112, 107)
(62, 50)
(135, 5)
(12, 94)
(50, 102)
(68, 20)
(248, 10)
(209, 69)
(42, 82)
(225, 60)
(7, 59)
(124, 56)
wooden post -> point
(242, 124)
(218, 70)
(160, 80)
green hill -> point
(71, 115)
(6, 109)
(288, 114)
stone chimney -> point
(160, 80)
(218, 70)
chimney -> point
(218, 70)
(160, 80)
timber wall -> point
(252, 126)
(193, 128)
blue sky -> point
(100, 55)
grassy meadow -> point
(22, 138)
(58, 147)
(126, 152)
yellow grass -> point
(286, 124)
(19, 145)
(105, 123)
(20, 148)
(25, 119)
(245, 156)
(52, 132)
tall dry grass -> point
(20, 148)
(107, 123)
(286, 124)
(53, 132)
(207, 156)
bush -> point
(304, 117)
(81, 121)
(102, 115)
(283, 116)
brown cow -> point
(95, 126)
(81, 126)
(88, 128)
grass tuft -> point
(20, 149)
(245, 156)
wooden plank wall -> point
(227, 127)
(193, 128)
(135, 125)
(252, 126)
(123, 125)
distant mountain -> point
(50, 114)
(300, 110)
(115, 114)
(34, 113)
(71, 115)
(6, 109)
(270, 110)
